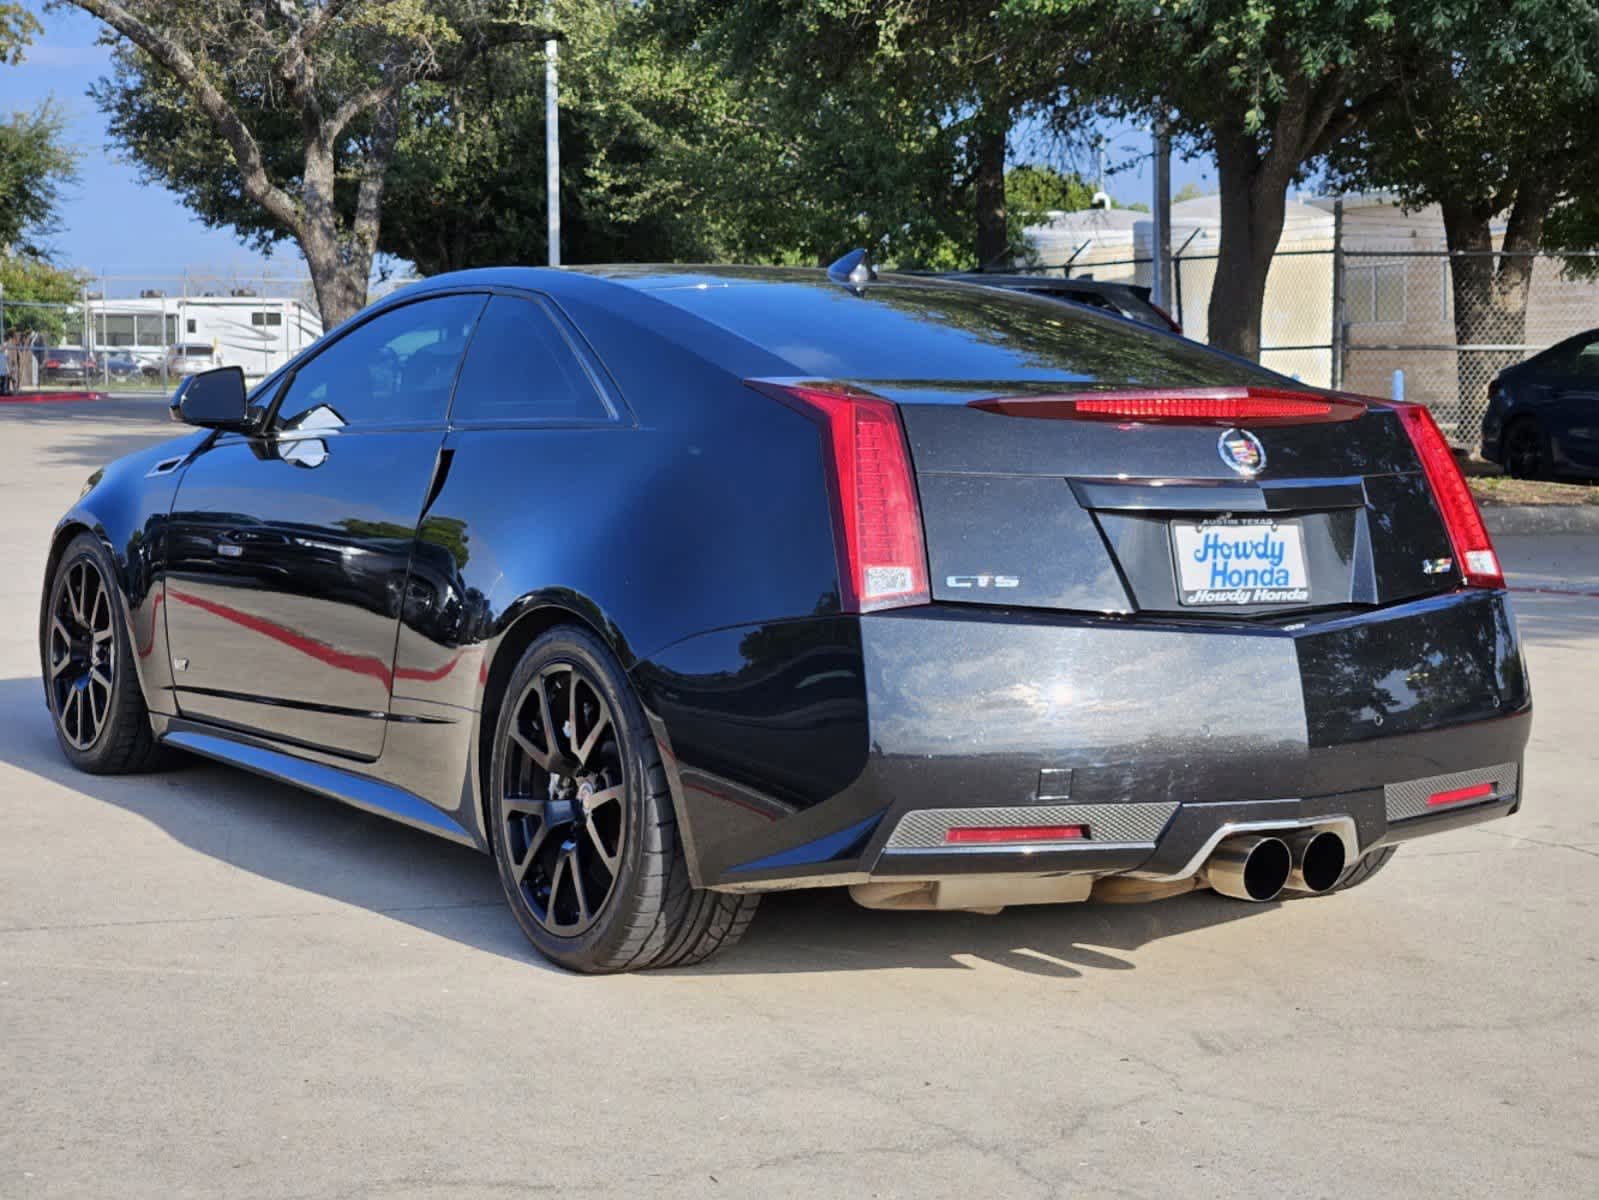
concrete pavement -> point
(214, 985)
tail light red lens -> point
(988, 835)
(1479, 791)
(1474, 550)
(1187, 406)
(876, 520)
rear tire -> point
(96, 704)
(1364, 869)
(584, 833)
(1526, 450)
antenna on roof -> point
(854, 268)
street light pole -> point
(1160, 249)
(552, 151)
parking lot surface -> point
(213, 984)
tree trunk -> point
(1490, 290)
(1254, 199)
(340, 285)
(993, 238)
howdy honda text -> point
(1259, 562)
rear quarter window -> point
(520, 367)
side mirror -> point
(213, 399)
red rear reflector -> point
(876, 520)
(989, 834)
(1478, 791)
(1195, 406)
(1474, 550)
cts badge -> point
(982, 581)
(1242, 451)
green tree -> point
(306, 100)
(1265, 88)
(1032, 192)
(891, 117)
(18, 27)
(1483, 137)
(35, 165)
(37, 295)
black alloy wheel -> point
(96, 704)
(584, 829)
(1524, 450)
(81, 653)
(563, 810)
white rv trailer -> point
(258, 333)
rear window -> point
(911, 332)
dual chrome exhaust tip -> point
(1261, 867)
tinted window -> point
(397, 367)
(908, 332)
(521, 368)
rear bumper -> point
(1159, 737)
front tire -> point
(96, 705)
(585, 836)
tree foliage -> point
(18, 28)
(36, 164)
(37, 295)
(1483, 134)
(283, 118)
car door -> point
(1573, 412)
(289, 550)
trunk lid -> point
(1128, 516)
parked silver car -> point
(190, 358)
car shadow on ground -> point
(328, 849)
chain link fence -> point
(1401, 322)
(144, 333)
(1436, 328)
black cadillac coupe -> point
(670, 586)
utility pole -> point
(1336, 372)
(1160, 209)
(552, 147)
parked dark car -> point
(1127, 300)
(1543, 414)
(67, 364)
(670, 586)
(120, 366)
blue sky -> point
(113, 224)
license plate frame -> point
(1239, 562)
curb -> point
(51, 397)
(1523, 520)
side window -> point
(521, 368)
(1587, 364)
(397, 367)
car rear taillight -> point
(52, 363)
(1187, 406)
(1474, 550)
(876, 520)
(989, 835)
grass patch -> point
(1501, 489)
